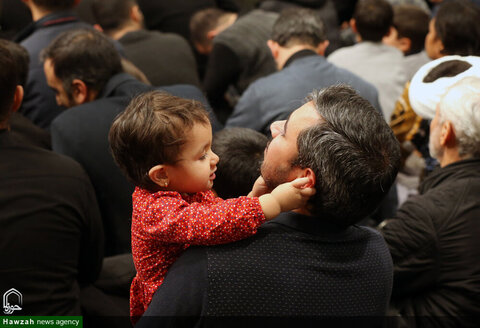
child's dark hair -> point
(241, 155)
(152, 131)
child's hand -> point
(286, 197)
(292, 195)
(259, 188)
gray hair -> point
(461, 106)
(299, 26)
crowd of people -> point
(219, 163)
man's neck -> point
(119, 33)
(286, 53)
(38, 12)
(450, 157)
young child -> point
(162, 143)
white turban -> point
(425, 96)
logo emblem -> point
(10, 295)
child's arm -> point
(214, 221)
(221, 221)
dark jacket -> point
(81, 132)
(39, 104)
(52, 238)
(296, 270)
(165, 58)
(435, 246)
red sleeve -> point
(209, 220)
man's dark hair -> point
(55, 5)
(448, 68)
(353, 153)
(152, 131)
(411, 22)
(8, 82)
(204, 21)
(21, 57)
(298, 26)
(373, 19)
(83, 54)
(241, 155)
(457, 25)
(111, 14)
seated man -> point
(241, 153)
(377, 63)
(165, 58)
(410, 27)
(312, 262)
(52, 234)
(237, 52)
(50, 18)
(434, 236)
(84, 68)
(298, 44)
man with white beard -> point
(434, 238)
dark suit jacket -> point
(165, 58)
(295, 268)
(39, 103)
(81, 132)
(52, 238)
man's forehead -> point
(303, 117)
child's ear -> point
(158, 175)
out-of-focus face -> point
(63, 99)
(433, 44)
(282, 149)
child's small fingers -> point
(300, 182)
(308, 191)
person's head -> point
(455, 30)
(410, 27)
(455, 129)
(241, 154)
(21, 57)
(78, 65)
(11, 93)
(433, 79)
(53, 5)
(372, 19)
(297, 29)
(115, 15)
(163, 142)
(206, 24)
(343, 145)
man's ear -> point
(98, 27)
(158, 174)
(274, 48)
(353, 25)
(404, 44)
(17, 98)
(322, 47)
(312, 179)
(136, 14)
(447, 135)
(80, 92)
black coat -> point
(435, 246)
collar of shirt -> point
(298, 55)
(46, 21)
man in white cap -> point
(434, 237)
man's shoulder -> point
(47, 163)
